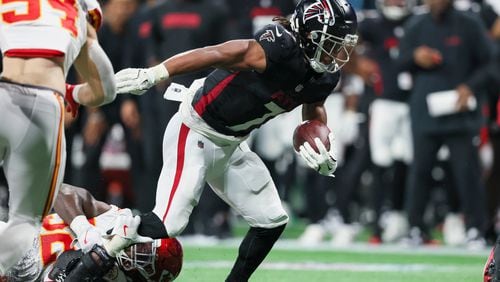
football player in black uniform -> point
(390, 132)
(287, 64)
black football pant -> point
(465, 173)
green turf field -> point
(290, 262)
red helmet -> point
(160, 260)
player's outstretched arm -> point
(73, 201)
(231, 55)
(96, 69)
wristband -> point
(160, 73)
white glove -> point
(326, 161)
(138, 81)
(125, 212)
(87, 235)
(125, 234)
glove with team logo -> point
(87, 235)
(72, 105)
(124, 234)
(138, 81)
(324, 162)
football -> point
(307, 131)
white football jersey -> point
(43, 28)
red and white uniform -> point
(43, 28)
(55, 238)
(32, 143)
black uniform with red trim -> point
(235, 103)
(382, 38)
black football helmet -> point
(326, 31)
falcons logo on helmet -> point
(268, 36)
(321, 10)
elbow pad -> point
(105, 70)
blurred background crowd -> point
(412, 167)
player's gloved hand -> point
(72, 106)
(125, 212)
(138, 81)
(124, 234)
(326, 161)
(87, 235)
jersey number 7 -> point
(34, 12)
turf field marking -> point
(321, 266)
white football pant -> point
(33, 151)
(236, 174)
(390, 132)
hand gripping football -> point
(307, 131)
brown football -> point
(307, 131)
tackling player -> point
(160, 260)
(40, 40)
(286, 64)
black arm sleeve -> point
(152, 226)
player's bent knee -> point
(270, 220)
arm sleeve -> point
(151, 226)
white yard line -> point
(316, 266)
(357, 247)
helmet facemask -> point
(140, 257)
(331, 52)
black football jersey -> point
(234, 103)
(382, 37)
